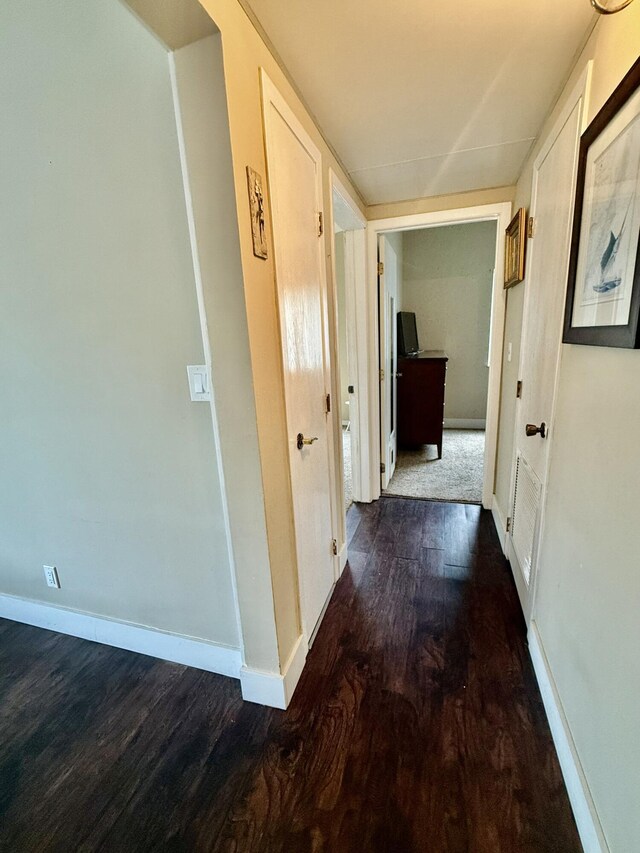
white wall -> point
(202, 115)
(588, 593)
(448, 278)
(438, 203)
(108, 470)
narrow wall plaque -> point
(256, 206)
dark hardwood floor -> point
(417, 724)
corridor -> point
(417, 724)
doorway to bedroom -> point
(436, 290)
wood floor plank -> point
(362, 539)
(354, 517)
(417, 724)
(433, 525)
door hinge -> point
(509, 524)
(320, 224)
(334, 547)
(519, 388)
(383, 468)
(328, 401)
(380, 268)
(531, 227)
(381, 374)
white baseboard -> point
(272, 688)
(584, 811)
(124, 635)
(501, 524)
(465, 423)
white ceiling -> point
(426, 97)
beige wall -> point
(448, 278)
(438, 203)
(586, 607)
(244, 53)
(108, 470)
(202, 110)
(246, 451)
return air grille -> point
(526, 500)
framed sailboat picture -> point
(603, 294)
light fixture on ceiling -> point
(605, 7)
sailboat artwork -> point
(610, 276)
(611, 214)
(603, 282)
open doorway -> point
(349, 265)
(440, 317)
(346, 383)
(438, 285)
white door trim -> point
(579, 97)
(501, 213)
(388, 282)
(360, 300)
(271, 95)
(355, 298)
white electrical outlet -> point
(51, 576)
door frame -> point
(270, 95)
(579, 97)
(388, 385)
(501, 214)
(355, 301)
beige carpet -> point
(455, 477)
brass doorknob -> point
(532, 429)
(301, 440)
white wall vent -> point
(526, 500)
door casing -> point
(499, 212)
(388, 340)
(344, 212)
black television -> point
(407, 334)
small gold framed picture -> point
(514, 249)
(256, 207)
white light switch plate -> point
(199, 382)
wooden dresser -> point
(421, 384)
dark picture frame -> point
(515, 248)
(603, 290)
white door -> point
(388, 294)
(295, 188)
(546, 283)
